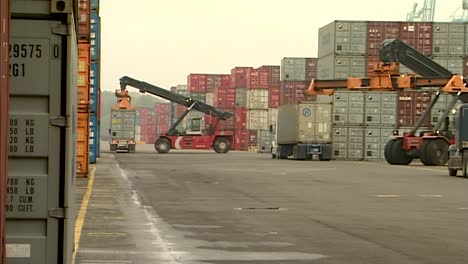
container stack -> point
(95, 81)
(147, 125)
(84, 72)
(162, 111)
(296, 74)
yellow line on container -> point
(82, 213)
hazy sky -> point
(161, 42)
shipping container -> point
(241, 140)
(311, 68)
(257, 99)
(272, 116)
(198, 96)
(381, 109)
(83, 73)
(4, 102)
(82, 145)
(341, 67)
(210, 98)
(95, 5)
(269, 76)
(418, 35)
(240, 116)
(343, 37)
(453, 64)
(411, 106)
(230, 123)
(377, 32)
(225, 97)
(197, 83)
(253, 79)
(43, 101)
(348, 108)
(122, 130)
(440, 107)
(264, 140)
(448, 39)
(293, 92)
(94, 87)
(84, 17)
(252, 139)
(241, 97)
(95, 37)
(274, 97)
(93, 138)
(293, 69)
(306, 122)
(239, 77)
(257, 119)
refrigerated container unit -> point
(122, 130)
(304, 130)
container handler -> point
(458, 152)
(431, 147)
(122, 127)
(206, 137)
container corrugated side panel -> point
(355, 143)
(257, 119)
(4, 104)
(343, 37)
(322, 124)
(340, 142)
(264, 139)
(93, 87)
(95, 37)
(257, 99)
(448, 39)
(82, 145)
(84, 17)
(287, 125)
(241, 97)
(93, 138)
(341, 67)
(453, 64)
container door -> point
(41, 172)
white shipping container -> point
(210, 99)
(272, 116)
(343, 37)
(341, 67)
(293, 69)
(306, 122)
(257, 119)
(257, 99)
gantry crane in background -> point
(425, 13)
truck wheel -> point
(434, 152)
(452, 172)
(221, 145)
(280, 154)
(162, 145)
(397, 155)
(273, 155)
(465, 164)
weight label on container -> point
(29, 64)
(26, 196)
(18, 250)
(28, 135)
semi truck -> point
(122, 127)
(303, 131)
(458, 152)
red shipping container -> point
(228, 124)
(84, 20)
(252, 138)
(239, 77)
(197, 82)
(411, 106)
(293, 92)
(253, 79)
(241, 140)
(225, 97)
(378, 32)
(418, 35)
(274, 97)
(241, 118)
(311, 69)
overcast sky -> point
(161, 42)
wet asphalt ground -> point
(240, 207)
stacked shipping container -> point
(95, 81)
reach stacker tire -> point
(395, 154)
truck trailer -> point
(122, 126)
(303, 131)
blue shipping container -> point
(95, 37)
(98, 137)
(94, 87)
(95, 5)
(93, 138)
